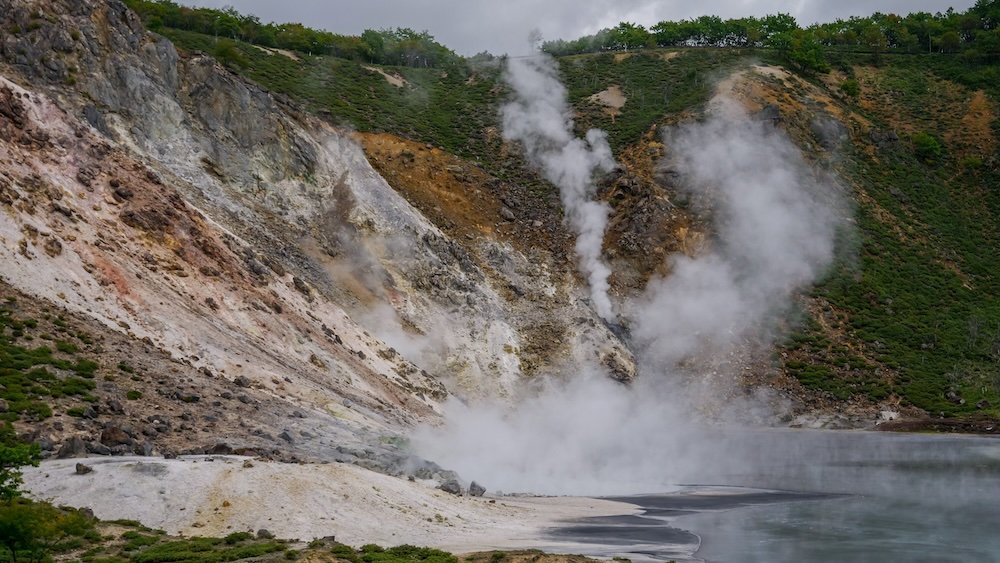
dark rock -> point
(828, 131)
(242, 381)
(506, 213)
(89, 412)
(74, 447)
(82, 469)
(96, 120)
(98, 448)
(114, 436)
(302, 287)
(221, 448)
(452, 487)
(476, 490)
(286, 436)
(169, 455)
(257, 268)
(263, 534)
(45, 443)
(245, 399)
(115, 406)
(982, 404)
(123, 193)
(87, 513)
(771, 113)
(954, 398)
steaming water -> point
(831, 496)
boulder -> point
(98, 448)
(263, 534)
(476, 490)
(452, 486)
(114, 436)
(74, 447)
(82, 469)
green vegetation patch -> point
(31, 377)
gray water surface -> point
(801, 496)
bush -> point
(228, 53)
(35, 530)
(850, 87)
(133, 395)
(237, 537)
(926, 148)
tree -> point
(873, 38)
(627, 36)
(13, 456)
(950, 41)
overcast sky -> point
(502, 26)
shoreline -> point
(218, 495)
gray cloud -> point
(470, 26)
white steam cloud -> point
(775, 226)
(539, 118)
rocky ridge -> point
(182, 211)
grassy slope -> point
(928, 231)
(924, 293)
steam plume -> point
(775, 224)
(538, 117)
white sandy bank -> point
(195, 496)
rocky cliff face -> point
(190, 216)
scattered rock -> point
(53, 247)
(74, 447)
(476, 490)
(98, 448)
(263, 534)
(286, 436)
(114, 436)
(302, 287)
(82, 469)
(221, 448)
(982, 404)
(506, 213)
(452, 486)
(242, 381)
(247, 464)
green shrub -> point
(851, 87)
(237, 537)
(133, 395)
(228, 53)
(926, 148)
(34, 531)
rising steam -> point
(538, 117)
(775, 223)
